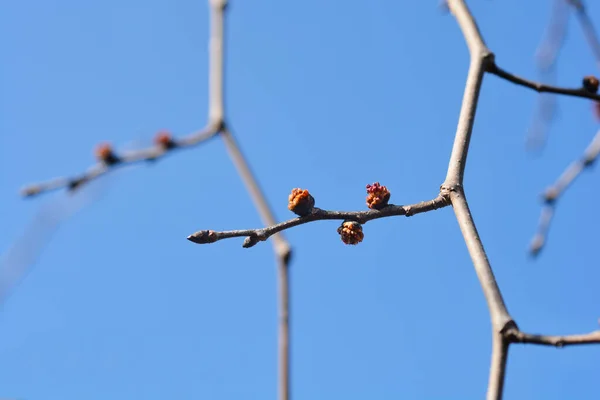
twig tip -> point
(203, 237)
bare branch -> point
(554, 37)
(554, 192)
(257, 235)
(498, 312)
(546, 56)
(481, 58)
(516, 336)
(540, 87)
(216, 124)
(588, 29)
(504, 328)
(497, 366)
(539, 239)
(281, 247)
(216, 48)
(258, 197)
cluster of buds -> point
(105, 154)
(351, 232)
(377, 196)
(164, 140)
(301, 202)
(590, 84)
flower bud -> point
(377, 196)
(351, 232)
(301, 202)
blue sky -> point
(324, 95)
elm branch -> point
(253, 236)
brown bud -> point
(590, 84)
(105, 154)
(301, 202)
(377, 196)
(351, 232)
(164, 139)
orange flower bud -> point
(351, 232)
(301, 202)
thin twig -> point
(554, 37)
(257, 235)
(281, 247)
(546, 56)
(481, 58)
(498, 360)
(283, 252)
(499, 314)
(216, 125)
(541, 87)
(99, 169)
(541, 236)
(516, 336)
(554, 192)
(504, 328)
(588, 29)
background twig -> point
(569, 175)
(546, 56)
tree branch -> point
(253, 236)
(516, 336)
(588, 29)
(498, 311)
(554, 192)
(540, 87)
(165, 144)
(546, 56)
(504, 329)
(481, 59)
(554, 37)
(101, 168)
(281, 247)
(480, 56)
(539, 239)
